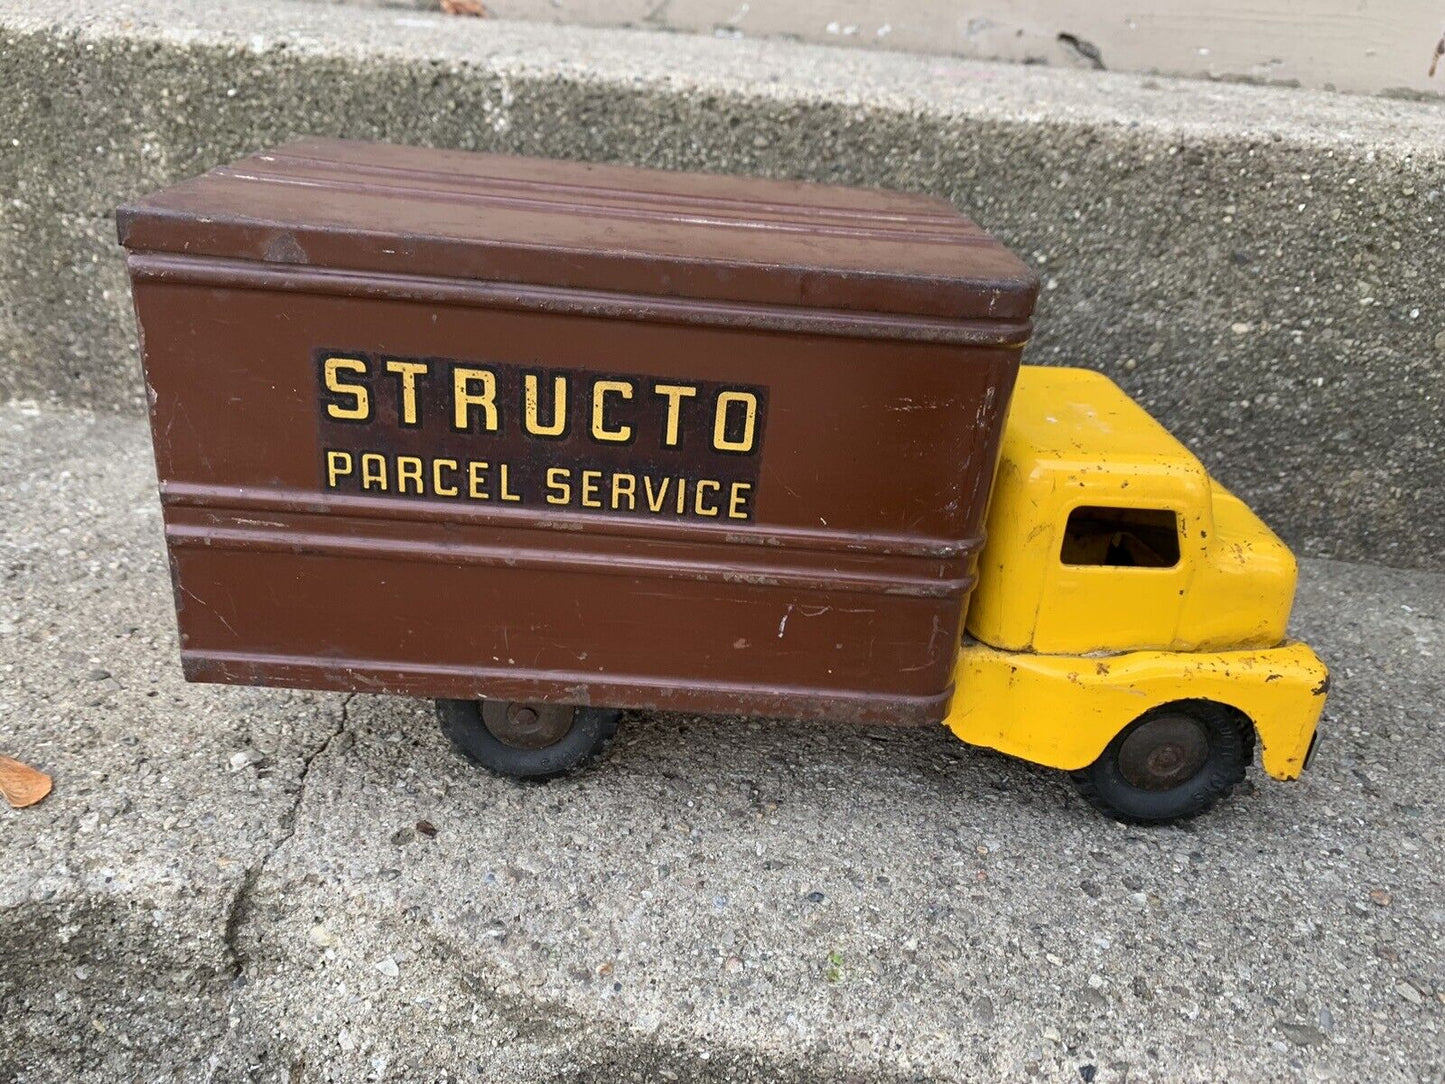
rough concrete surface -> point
(1261, 267)
(240, 884)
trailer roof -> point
(500, 218)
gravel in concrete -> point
(1260, 266)
(240, 884)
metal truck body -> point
(554, 438)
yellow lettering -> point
(557, 480)
(373, 470)
(440, 488)
(505, 492)
(463, 398)
(477, 480)
(619, 491)
(697, 505)
(600, 390)
(338, 464)
(530, 396)
(360, 410)
(654, 504)
(591, 480)
(674, 394)
(408, 469)
(408, 371)
(725, 400)
(738, 500)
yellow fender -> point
(1062, 710)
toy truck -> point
(547, 441)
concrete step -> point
(1260, 266)
(236, 883)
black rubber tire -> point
(592, 728)
(1230, 738)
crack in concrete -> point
(242, 902)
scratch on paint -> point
(933, 636)
(783, 624)
(206, 605)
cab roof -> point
(1076, 419)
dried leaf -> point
(21, 784)
(473, 8)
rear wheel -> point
(527, 741)
(1170, 764)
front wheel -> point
(1170, 764)
(527, 741)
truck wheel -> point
(1170, 764)
(527, 741)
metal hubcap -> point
(527, 726)
(1166, 751)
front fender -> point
(1062, 710)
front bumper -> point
(1062, 710)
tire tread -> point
(1224, 772)
(461, 722)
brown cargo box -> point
(461, 425)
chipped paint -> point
(1045, 708)
(783, 624)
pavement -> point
(248, 884)
(1259, 266)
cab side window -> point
(1121, 537)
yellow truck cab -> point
(1129, 619)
